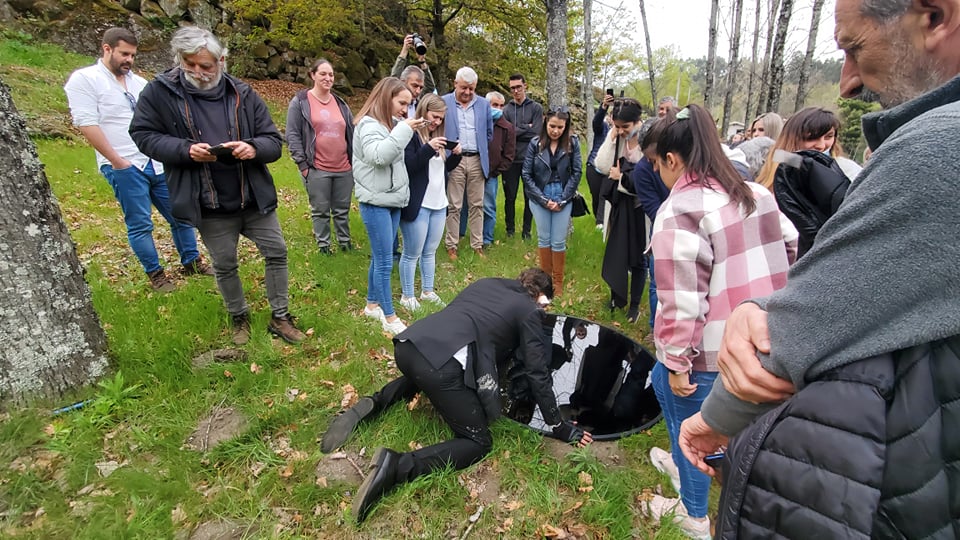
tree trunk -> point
(50, 336)
(808, 58)
(747, 116)
(774, 6)
(441, 72)
(588, 69)
(646, 35)
(733, 66)
(556, 53)
(708, 87)
(776, 59)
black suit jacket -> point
(493, 316)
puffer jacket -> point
(868, 450)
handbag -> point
(579, 205)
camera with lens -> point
(419, 45)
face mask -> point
(496, 113)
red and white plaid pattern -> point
(708, 259)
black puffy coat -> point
(869, 450)
(808, 190)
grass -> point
(140, 416)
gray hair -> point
(755, 150)
(495, 94)
(411, 70)
(667, 99)
(884, 10)
(191, 39)
(467, 75)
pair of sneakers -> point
(412, 304)
(394, 327)
(659, 506)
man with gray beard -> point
(865, 336)
(214, 135)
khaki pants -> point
(467, 179)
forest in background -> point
(605, 47)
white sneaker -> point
(697, 529)
(430, 296)
(660, 506)
(394, 327)
(663, 462)
(409, 303)
(375, 313)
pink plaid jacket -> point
(708, 259)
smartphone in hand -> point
(450, 145)
(220, 150)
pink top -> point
(708, 259)
(331, 139)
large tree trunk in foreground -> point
(50, 337)
(556, 52)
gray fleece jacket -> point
(884, 273)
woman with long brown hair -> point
(717, 241)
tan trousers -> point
(467, 179)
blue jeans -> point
(489, 211)
(382, 224)
(551, 226)
(136, 190)
(653, 291)
(694, 485)
(421, 238)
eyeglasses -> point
(131, 100)
(515, 88)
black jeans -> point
(459, 406)
(595, 181)
(511, 186)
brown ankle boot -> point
(559, 261)
(546, 260)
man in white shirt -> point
(102, 98)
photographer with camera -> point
(417, 77)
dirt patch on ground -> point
(222, 424)
(223, 530)
(483, 484)
(606, 452)
(342, 467)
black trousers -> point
(595, 181)
(511, 186)
(460, 407)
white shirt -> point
(96, 98)
(435, 197)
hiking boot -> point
(197, 267)
(241, 329)
(283, 328)
(346, 246)
(452, 253)
(480, 253)
(324, 250)
(160, 281)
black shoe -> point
(344, 424)
(346, 246)
(378, 482)
(525, 235)
(633, 315)
(324, 250)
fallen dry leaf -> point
(585, 478)
(513, 505)
(322, 482)
(331, 384)
(255, 368)
(257, 468)
(309, 331)
(549, 531)
(177, 515)
(291, 394)
(574, 507)
(349, 396)
(414, 402)
(414, 445)
(227, 374)
(287, 471)
(49, 430)
(338, 455)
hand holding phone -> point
(450, 145)
(610, 92)
(220, 150)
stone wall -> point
(77, 25)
